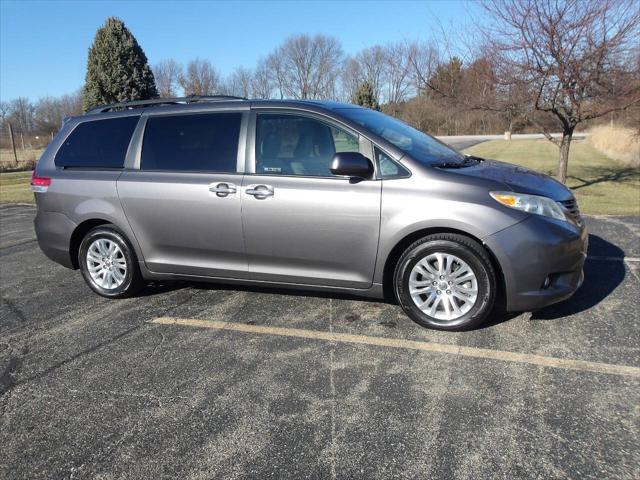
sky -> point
(44, 44)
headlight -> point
(530, 204)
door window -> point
(298, 145)
(200, 142)
(97, 143)
(388, 168)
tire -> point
(123, 278)
(421, 264)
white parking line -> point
(614, 259)
(408, 344)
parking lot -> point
(206, 381)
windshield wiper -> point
(467, 162)
(450, 165)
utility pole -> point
(13, 143)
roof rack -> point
(162, 101)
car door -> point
(182, 198)
(302, 224)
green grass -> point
(14, 188)
(601, 185)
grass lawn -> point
(14, 188)
(601, 185)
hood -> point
(518, 179)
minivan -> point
(307, 194)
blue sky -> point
(43, 45)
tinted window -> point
(422, 147)
(388, 168)
(203, 142)
(99, 143)
(297, 145)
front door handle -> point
(260, 191)
(223, 189)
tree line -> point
(543, 65)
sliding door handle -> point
(223, 189)
(260, 191)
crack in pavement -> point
(17, 244)
(14, 309)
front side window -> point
(192, 143)
(298, 145)
(388, 168)
(97, 143)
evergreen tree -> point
(365, 97)
(117, 68)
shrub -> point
(617, 142)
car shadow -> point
(601, 277)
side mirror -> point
(351, 164)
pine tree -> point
(365, 97)
(117, 68)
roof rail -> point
(162, 101)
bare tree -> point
(275, 68)
(240, 83)
(351, 77)
(423, 59)
(48, 114)
(372, 63)
(200, 78)
(167, 74)
(396, 69)
(5, 108)
(261, 83)
(307, 67)
(572, 56)
(71, 103)
(22, 113)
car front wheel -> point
(446, 282)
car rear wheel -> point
(445, 282)
(108, 263)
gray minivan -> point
(308, 194)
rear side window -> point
(202, 143)
(97, 144)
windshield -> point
(422, 147)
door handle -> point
(260, 191)
(223, 189)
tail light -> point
(39, 184)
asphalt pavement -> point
(199, 381)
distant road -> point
(460, 142)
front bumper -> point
(541, 261)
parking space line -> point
(472, 352)
(614, 259)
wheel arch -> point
(396, 252)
